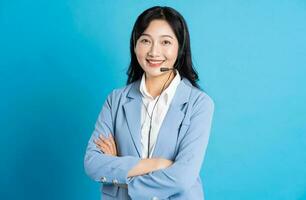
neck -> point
(154, 85)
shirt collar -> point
(168, 92)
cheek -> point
(140, 54)
(139, 57)
(171, 54)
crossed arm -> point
(172, 178)
(144, 166)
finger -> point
(105, 142)
(104, 148)
(101, 137)
(100, 147)
(111, 140)
(101, 143)
(113, 143)
(98, 141)
(109, 144)
(102, 140)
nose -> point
(154, 50)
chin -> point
(153, 74)
(156, 73)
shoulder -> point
(198, 98)
(119, 94)
(203, 98)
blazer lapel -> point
(173, 118)
(132, 111)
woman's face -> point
(157, 47)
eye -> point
(166, 42)
(145, 41)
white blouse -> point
(159, 114)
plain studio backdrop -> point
(59, 59)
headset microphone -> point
(164, 69)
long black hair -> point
(183, 62)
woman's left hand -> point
(107, 145)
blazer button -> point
(103, 179)
(155, 198)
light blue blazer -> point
(183, 138)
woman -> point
(150, 138)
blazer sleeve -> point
(183, 173)
(98, 165)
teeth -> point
(155, 62)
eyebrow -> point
(160, 36)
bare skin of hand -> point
(163, 163)
(107, 145)
(148, 165)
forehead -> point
(158, 28)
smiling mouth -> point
(155, 63)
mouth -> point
(155, 63)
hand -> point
(148, 165)
(163, 163)
(106, 145)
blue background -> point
(60, 58)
